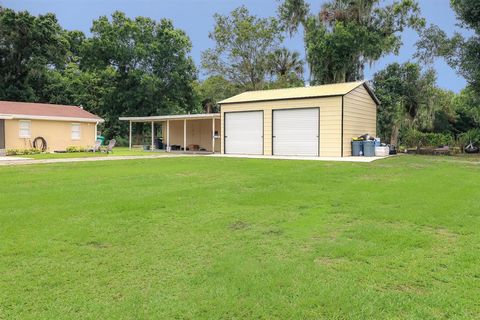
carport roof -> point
(337, 89)
(173, 117)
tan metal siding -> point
(198, 132)
(58, 134)
(360, 117)
(330, 120)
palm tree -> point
(284, 62)
(358, 11)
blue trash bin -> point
(369, 148)
(357, 148)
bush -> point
(73, 149)
(22, 152)
(472, 135)
(412, 138)
(121, 141)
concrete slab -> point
(24, 161)
(12, 159)
(339, 159)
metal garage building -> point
(308, 121)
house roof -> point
(173, 117)
(337, 89)
(45, 111)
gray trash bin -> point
(357, 148)
(369, 148)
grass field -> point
(222, 238)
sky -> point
(195, 17)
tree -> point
(29, 47)
(243, 44)
(408, 99)
(462, 54)
(347, 34)
(284, 62)
(212, 90)
(152, 70)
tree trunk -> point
(394, 135)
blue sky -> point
(195, 17)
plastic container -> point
(159, 143)
(382, 151)
(377, 142)
(101, 139)
(369, 148)
(357, 148)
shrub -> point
(73, 149)
(121, 141)
(412, 138)
(472, 135)
(21, 152)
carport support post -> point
(130, 135)
(213, 135)
(168, 136)
(153, 142)
(184, 135)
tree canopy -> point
(29, 47)
(347, 34)
(407, 97)
(247, 51)
(126, 67)
(462, 54)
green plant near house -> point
(22, 152)
(73, 149)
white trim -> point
(152, 146)
(213, 135)
(20, 129)
(172, 117)
(184, 134)
(79, 131)
(168, 136)
(130, 135)
(51, 118)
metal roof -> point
(173, 117)
(337, 89)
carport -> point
(187, 132)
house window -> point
(24, 126)
(76, 134)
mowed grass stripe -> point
(241, 238)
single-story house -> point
(60, 126)
(308, 121)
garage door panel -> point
(244, 132)
(295, 132)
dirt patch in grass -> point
(328, 261)
(239, 225)
(98, 245)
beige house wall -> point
(360, 117)
(330, 120)
(58, 134)
(199, 131)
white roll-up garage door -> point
(295, 132)
(244, 132)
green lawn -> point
(224, 238)
(119, 151)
